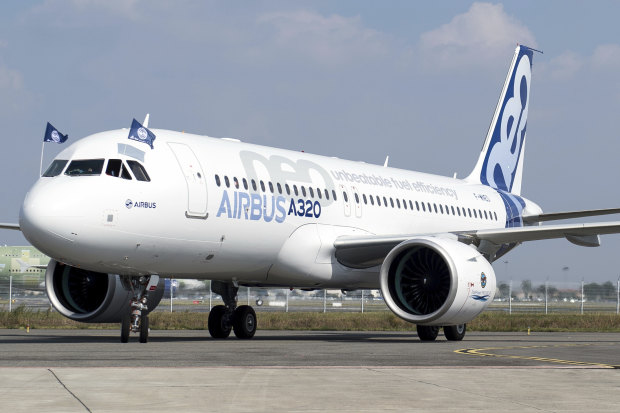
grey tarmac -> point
(284, 371)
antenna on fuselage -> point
(146, 121)
(385, 164)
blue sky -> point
(355, 79)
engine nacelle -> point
(90, 296)
(436, 281)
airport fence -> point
(574, 298)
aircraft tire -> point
(427, 333)
(244, 324)
(125, 328)
(216, 329)
(144, 329)
(455, 333)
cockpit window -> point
(117, 169)
(85, 167)
(55, 168)
(138, 171)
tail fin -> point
(500, 164)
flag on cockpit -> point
(141, 134)
(52, 135)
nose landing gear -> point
(228, 317)
(136, 319)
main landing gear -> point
(228, 317)
(452, 333)
(136, 318)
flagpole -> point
(41, 164)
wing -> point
(556, 216)
(369, 250)
(9, 226)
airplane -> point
(116, 216)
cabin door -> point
(194, 178)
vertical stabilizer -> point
(500, 164)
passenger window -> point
(385, 201)
(311, 192)
(345, 197)
(475, 214)
(85, 167)
(245, 184)
(428, 204)
(303, 191)
(452, 207)
(441, 208)
(365, 199)
(262, 186)
(217, 180)
(378, 200)
(423, 208)
(398, 203)
(485, 215)
(357, 198)
(469, 210)
(227, 181)
(271, 187)
(279, 187)
(417, 206)
(435, 205)
(326, 194)
(295, 190)
(55, 168)
(318, 192)
(334, 194)
(254, 187)
(372, 200)
(236, 182)
(495, 215)
(288, 189)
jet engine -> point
(436, 281)
(89, 296)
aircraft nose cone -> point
(42, 217)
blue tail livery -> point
(500, 165)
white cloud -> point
(564, 66)
(604, 60)
(606, 56)
(480, 35)
(10, 79)
(327, 40)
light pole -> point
(10, 293)
(324, 301)
(582, 297)
(287, 293)
(546, 294)
(618, 301)
(509, 289)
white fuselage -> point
(183, 223)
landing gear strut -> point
(227, 317)
(136, 320)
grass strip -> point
(375, 321)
